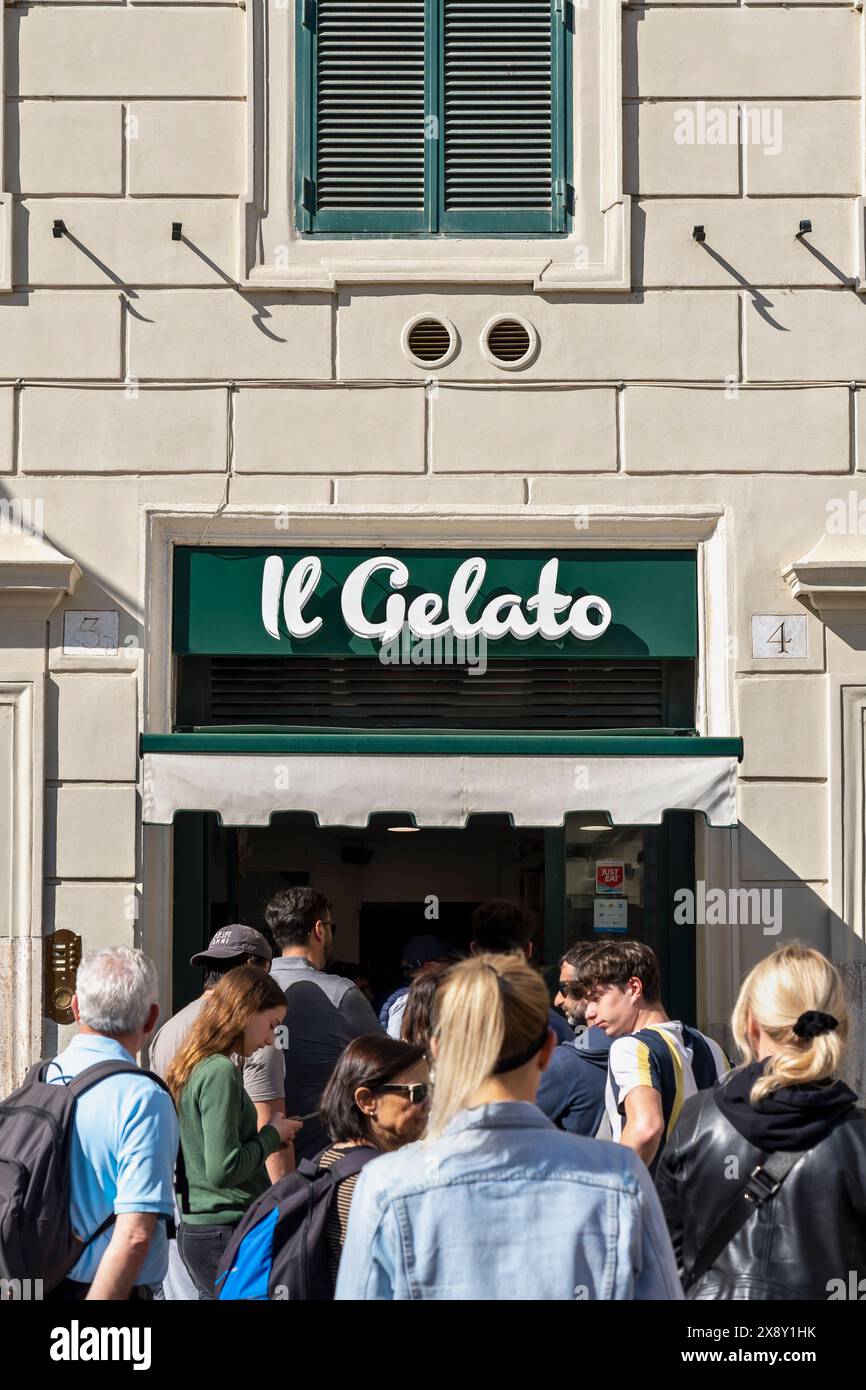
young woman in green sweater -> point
(224, 1151)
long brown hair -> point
(219, 1028)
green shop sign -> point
(346, 602)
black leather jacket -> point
(812, 1231)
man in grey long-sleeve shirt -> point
(323, 1012)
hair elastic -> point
(520, 1059)
(813, 1023)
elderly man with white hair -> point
(125, 1137)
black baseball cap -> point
(234, 940)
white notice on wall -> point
(610, 914)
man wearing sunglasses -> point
(572, 1088)
(324, 1013)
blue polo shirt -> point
(124, 1147)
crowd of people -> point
(469, 1142)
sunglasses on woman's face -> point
(413, 1091)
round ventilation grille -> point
(430, 342)
(510, 342)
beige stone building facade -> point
(256, 378)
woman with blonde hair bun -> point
(763, 1182)
(496, 1202)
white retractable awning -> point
(441, 790)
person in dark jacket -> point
(503, 927)
(418, 953)
(572, 1089)
(791, 1026)
(324, 1013)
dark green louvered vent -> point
(498, 124)
(432, 116)
(359, 692)
(370, 104)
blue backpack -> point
(279, 1249)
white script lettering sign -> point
(430, 615)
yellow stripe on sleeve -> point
(642, 1058)
(679, 1080)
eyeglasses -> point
(414, 1091)
(332, 925)
(569, 989)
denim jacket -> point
(506, 1206)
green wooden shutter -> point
(368, 118)
(500, 112)
(431, 116)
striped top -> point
(675, 1060)
(338, 1213)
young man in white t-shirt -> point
(655, 1062)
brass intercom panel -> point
(62, 958)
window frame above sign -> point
(223, 604)
(275, 254)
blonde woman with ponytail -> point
(496, 1202)
(764, 1181)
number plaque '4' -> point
(779, 636)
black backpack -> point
(36, 1237)
(280, 1248)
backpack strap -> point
(353, 1161)
(34, 1074)
(764, 1182)
(350, 1163)
(309, 1168)
(100, 1231)
(100, 1071)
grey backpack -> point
(36, 1237)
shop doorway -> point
(385, 928)
(387, 882)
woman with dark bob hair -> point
(377, 1098)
